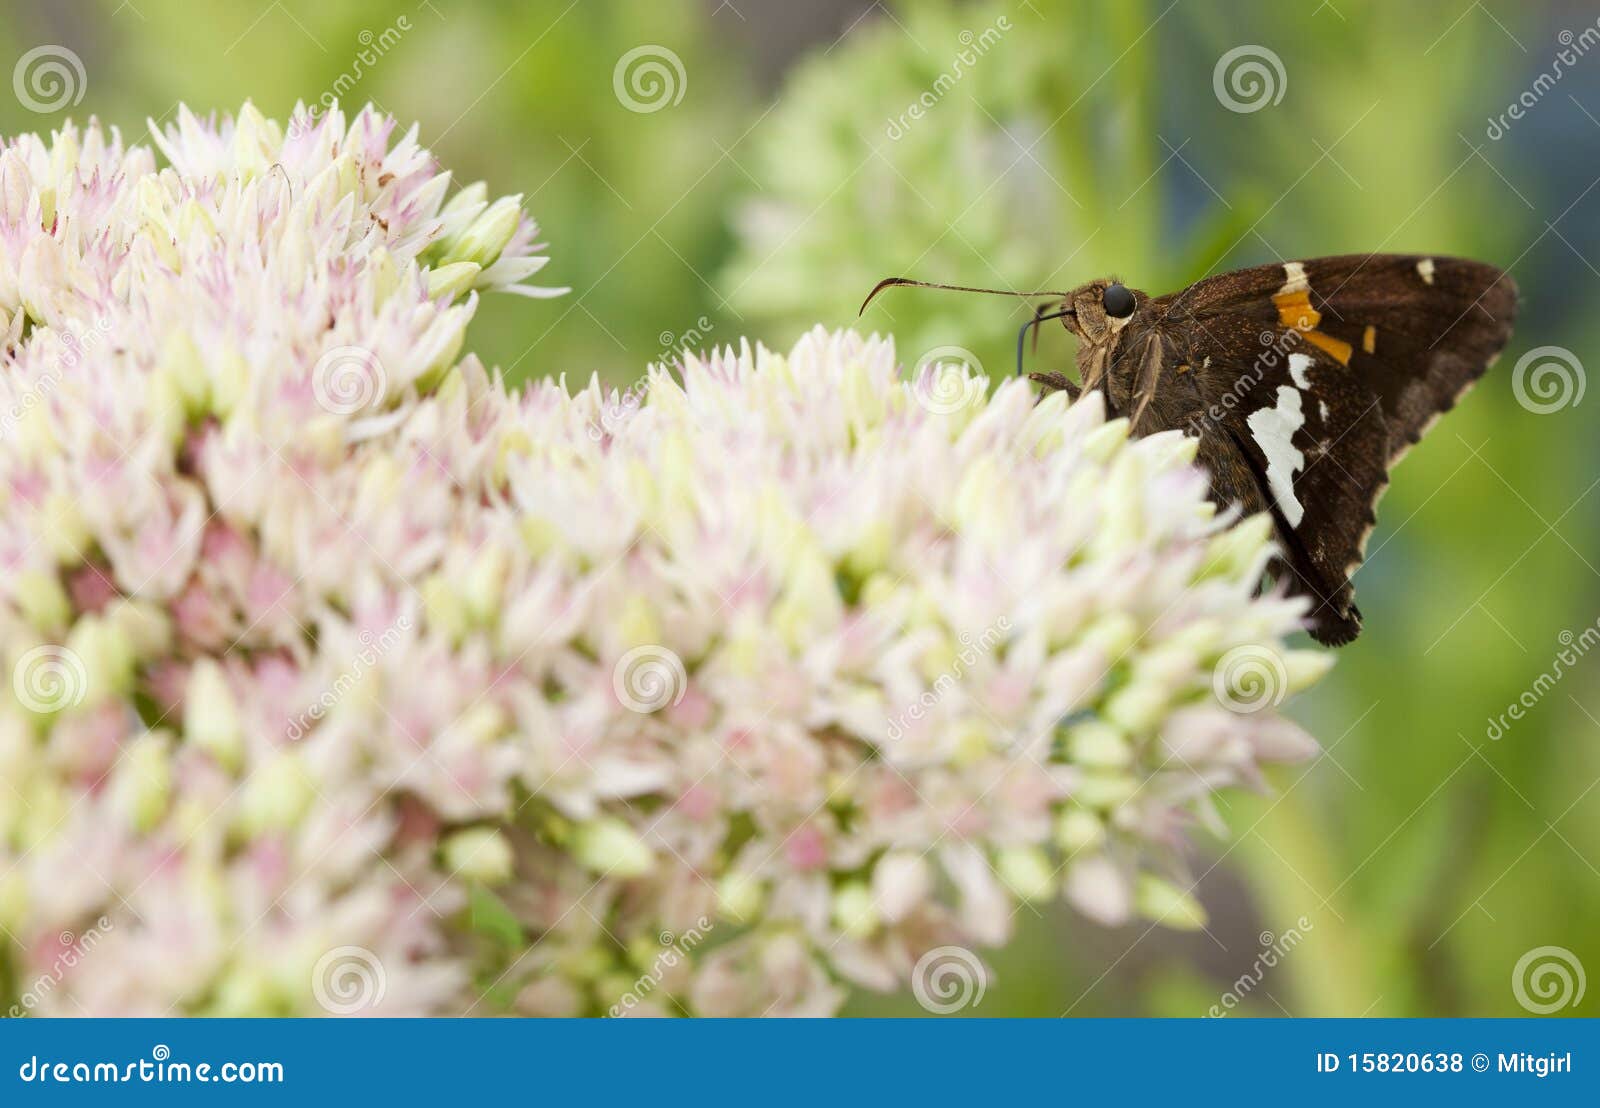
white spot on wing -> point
(1294, 274)
(1273, 429)
(1322, 409)
(1298, 364)
(1425, 270)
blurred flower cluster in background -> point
(705, 170)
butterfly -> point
(1304, 381)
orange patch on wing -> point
(1369, 339)
(1295, 310)
(1338, 348)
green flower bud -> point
(276, 794)
(107, 655)
(210, 717)
(453, 280)
(1167, 904)
(484, 584)
(608, 845)
(42, 600)
(1026, 871)
(740, 897)
(1105, 790)
(142, 782)
(1097, 743)
(854, 912)
(1238, 550)
(1138, 706)
(1306, 667)
(1079, 829)
(480, 854)
(487, 235)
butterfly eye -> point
(1117, 301)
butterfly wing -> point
(1418, 330)
(1316, 377)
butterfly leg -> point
(1057, 382)
(1149, 378)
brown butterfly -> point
(1305, 382)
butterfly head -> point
(1097, 311)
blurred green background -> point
(779, 177)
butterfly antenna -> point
(890, 282)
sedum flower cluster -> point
(342, 678)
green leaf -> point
(491, 918)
